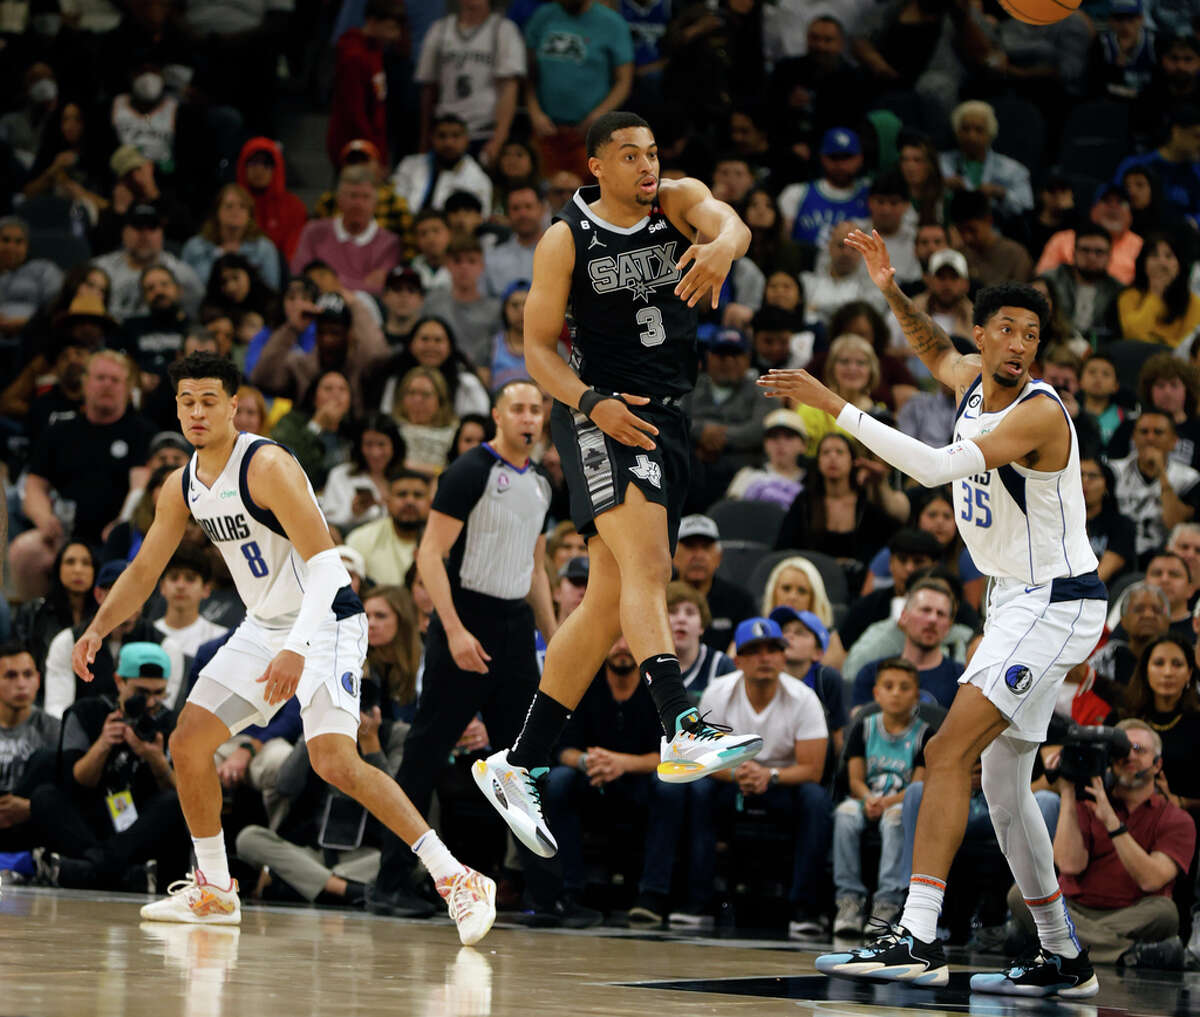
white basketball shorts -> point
(334, 662)
(1033, 636)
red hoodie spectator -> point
(279, 213)
(359, 83)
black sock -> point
(663, 676)
(543, 724)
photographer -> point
(114, 807)
(1118, 858)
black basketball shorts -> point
(599, 469)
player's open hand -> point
(282, 676)
(84, 654)
(468, 652)
(617, 420)
(875, 254)
(710, 264)
(801, 387)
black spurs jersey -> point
(631, 333)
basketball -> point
(1040, 12)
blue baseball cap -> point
(143, 660)
(1124, 8)
(729, 340)
(758, 630)
(782, 615)
(109, 573)
(840, 141)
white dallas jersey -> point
(266, 569)
(1019, 523)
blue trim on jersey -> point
(346, 604)
(967, 395)
(1014, 483)
(1086, 587)
(257, 512)
(184, 479)
(511, 466)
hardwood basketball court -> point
(70, 954)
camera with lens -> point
(145, 724)
(1087, 752)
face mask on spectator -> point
(43, 91)
(148, 87)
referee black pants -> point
(450, 698)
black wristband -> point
(589, 399)
(1118, 831)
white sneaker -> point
(514, 793)
(471, 899)
(196, 901)
(689, 920)
(700, 748)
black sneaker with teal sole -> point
(1042, 974)
(894, 955)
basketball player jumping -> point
(1014, 463)
(305, 634)
(617, 253)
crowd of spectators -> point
(148, 209)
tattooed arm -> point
(924, 335)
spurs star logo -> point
(645, 470)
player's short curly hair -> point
(992, 298)
(601, 131)
(206, 365)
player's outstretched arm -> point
(926, 465)
(709, 259)
(1037, 428)
(138, 581)
(545, 310)
(924, 335)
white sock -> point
(436, 857)
(1055, 930)
(923, 906)
(211, 860)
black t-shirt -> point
(154, 339)
(1111, 531)
(89, 464)
(48, 408)
(729, 604)
(631, 726)
(1180, 733)
(632, 334)
(123, 770)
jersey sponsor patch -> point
(647, 470)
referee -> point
(482, 561)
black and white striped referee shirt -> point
(503, 510)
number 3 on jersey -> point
(253, 555)
(654, 334)
(975, 506)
